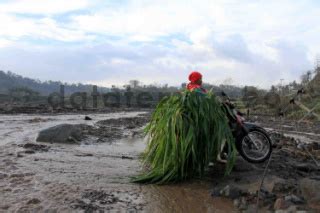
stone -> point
(283, 186)
(20, 155)
(291, 209)
(301, 146)
(3, 175)
(215, 192)
(315, 146)
(252, 208)
(243, 204)
(236, 203)
(34, 201)
(63, 133)
(231, 191)
(268, 198)
(36, 147)
(310, 189)
(306, 167)
(29, 151)
(280, 204)
(294, 199)
(87, 118)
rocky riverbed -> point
(91, 172)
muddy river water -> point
(86, 177)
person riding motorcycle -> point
(250, 139)
(195, 83)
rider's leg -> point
(219, 159)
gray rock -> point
(63, 133)
(236, 203)
(240, 203)
(215, 192)
(283, 186)
(280, 204)
(250, 209)
(310, 190)
(231, 191)
(35, 147)
(267, 197)
(301, 146)
(87, 118)
(294, 199)
(291, 209)
(280, 211)
(3, 175)
(315, 146)
(243, 204)
(306, 167)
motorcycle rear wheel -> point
(256, 147)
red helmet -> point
(194, 76)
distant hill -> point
(10, 80)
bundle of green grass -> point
(184, 135)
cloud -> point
(44, 7)
(234, 47)
(44, 28)
(4, 43)
(111, 42)
(112, 64)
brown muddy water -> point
(86, 177)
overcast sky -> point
(255, 42)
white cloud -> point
(43, 28)
(43, 7)
(4, 43)
(252, 42)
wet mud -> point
(94, 175)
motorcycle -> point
(252, 142)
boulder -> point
(35, 147)
(3, 175)
(291, 209)
(306, 167)
(267, 197)
(310, 189)
(280, 203)
(229, 191)
(315, 146)
(294, 199)
(284, 186)
(87, 118)
(63, 133)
